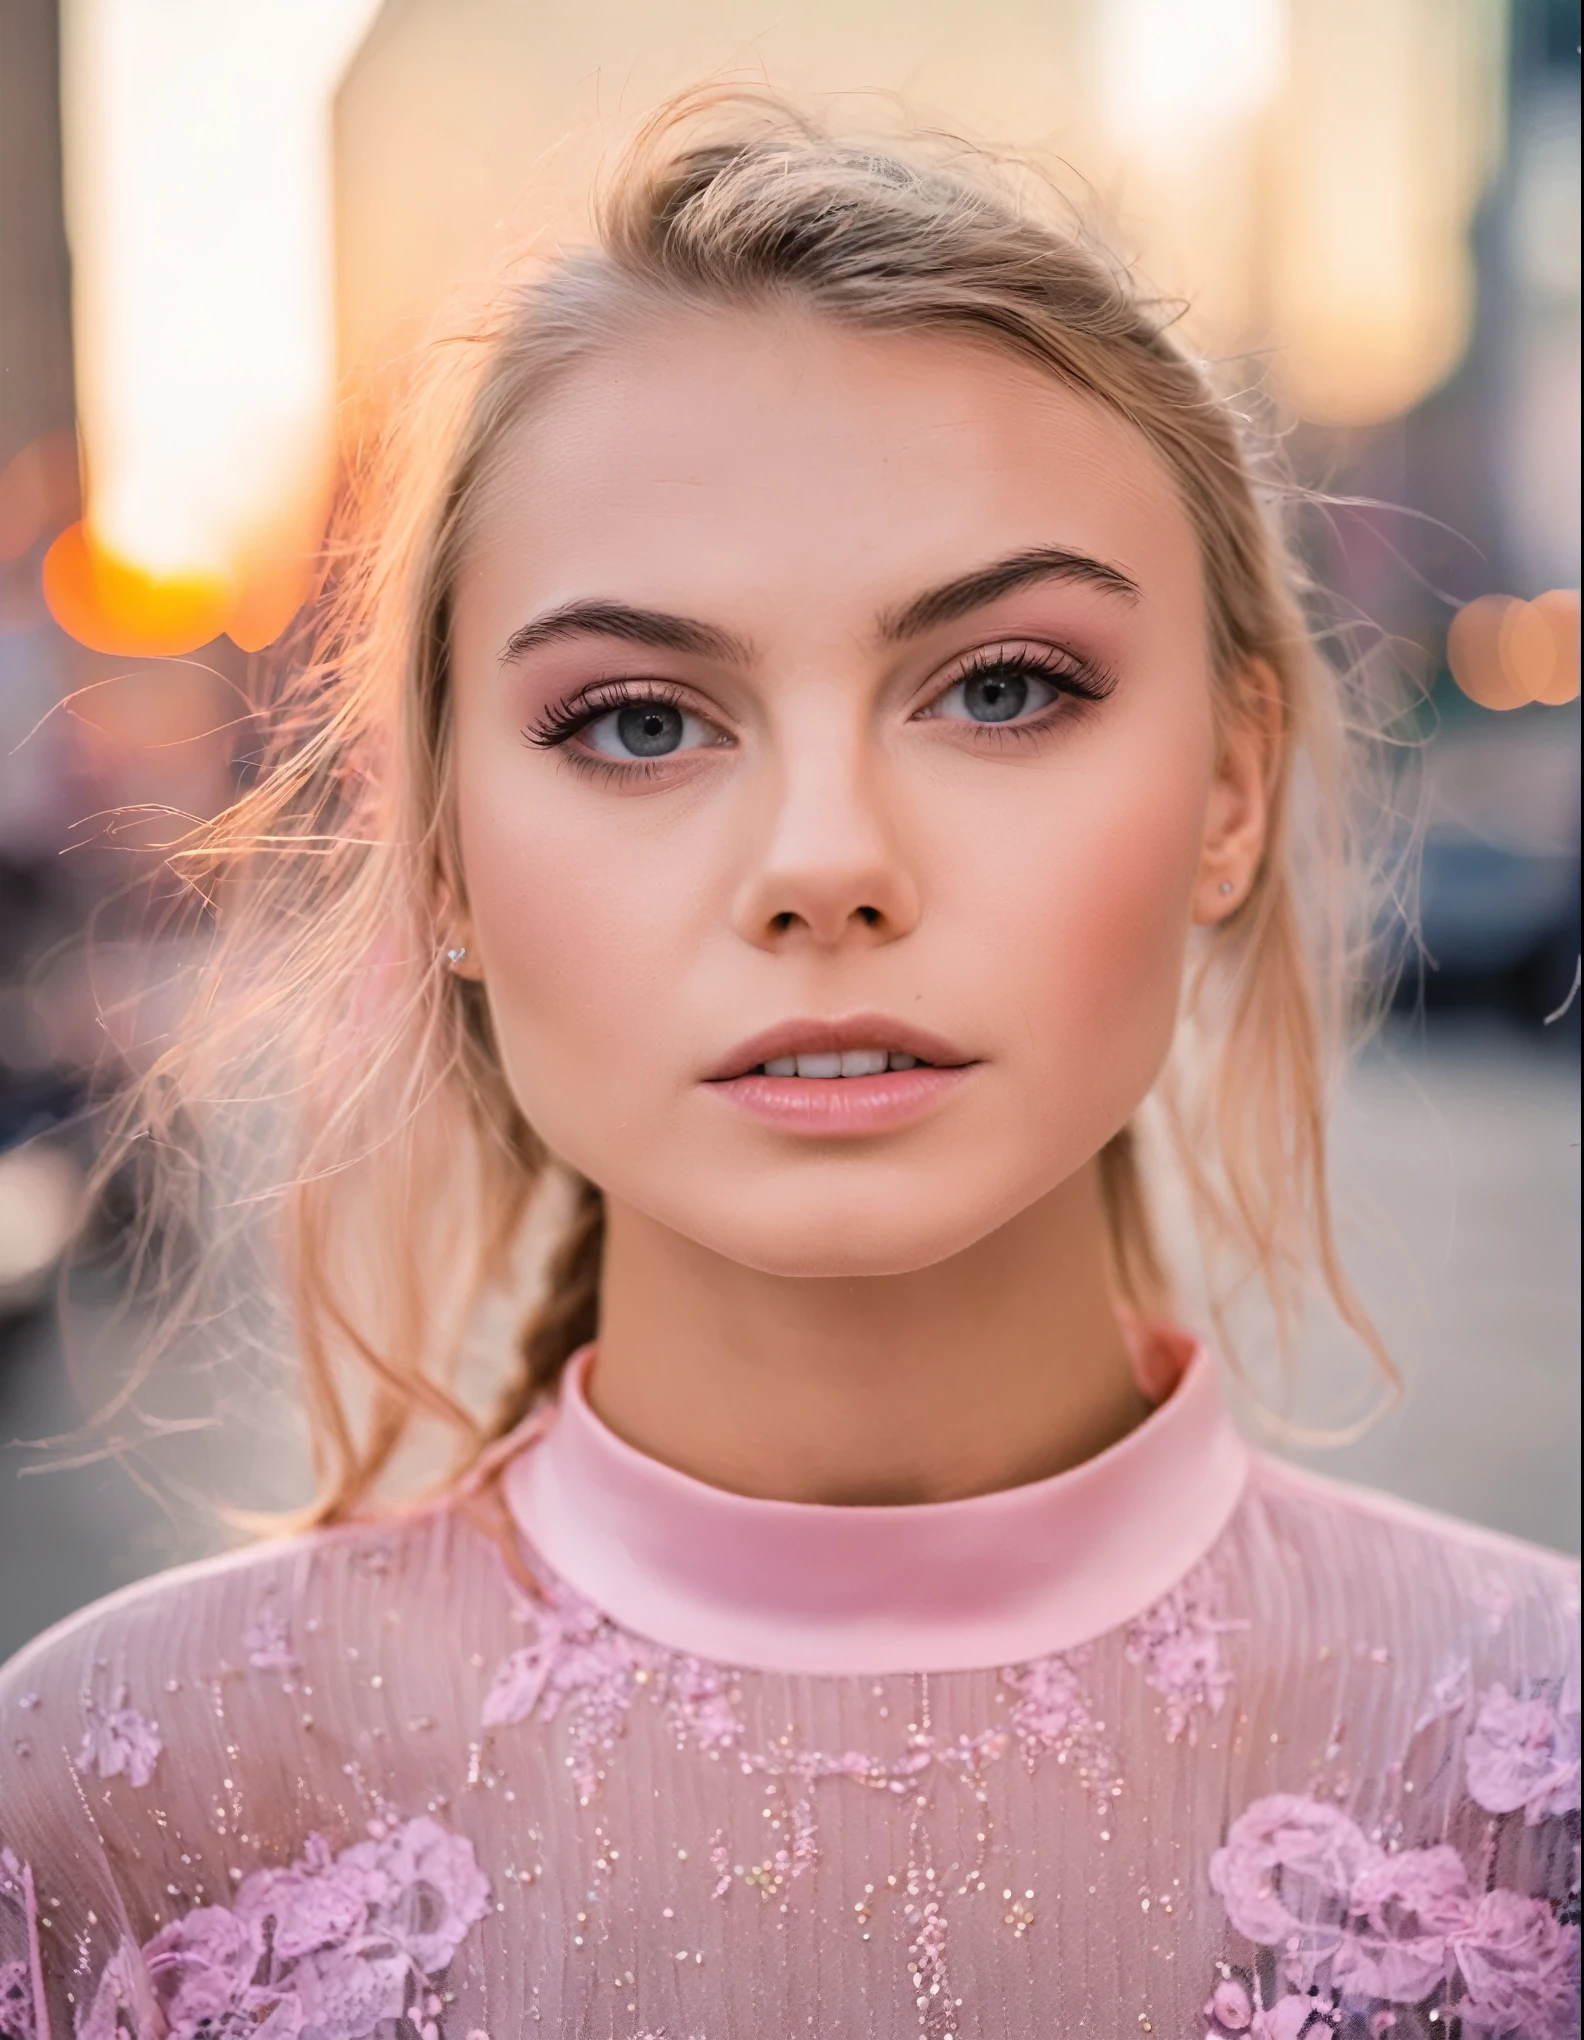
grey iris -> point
(996, 696)
(649, 730)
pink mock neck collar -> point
(936, 1586)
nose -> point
(828, 867)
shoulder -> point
(1382, 1519)
(232, 1610)
(241, 1662)
(1400, 1567)
(171, 1740)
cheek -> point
(572, 942)
(590, 916)
(1092, 937)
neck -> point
(1003, 1365)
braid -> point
(568, 1315)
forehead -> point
(725, 455)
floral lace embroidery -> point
(118, 1740)
(267, 1640)
(1357, 1931)
(342, 1947)
(579, 1661)
(1524, 1751)
(18, 2020)
(1052, 1718)
(16, 2002)
(1178, 1642)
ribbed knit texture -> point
(672, 1850)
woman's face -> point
(831, 702)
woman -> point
(813, 742)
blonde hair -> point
(341, 1086)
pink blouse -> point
(1179, 1742)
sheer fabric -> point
(1270, 1757)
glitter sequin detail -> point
(580, 1667)
(680, 1847)
(267, 1639)
(579, 1663)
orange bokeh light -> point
(1559, 610)
(1506, 654)
(112, 607)
(269, 600)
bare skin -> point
(822, 692)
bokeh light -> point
(1306, 172)
(198, 184)
(1507, 654)
(41, 1192)
(111, 605)
(1553, 675)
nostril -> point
(870, 916)
(781, 922)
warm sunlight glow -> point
(198, 194)
(112, 606)
(1383, 146)
(1303, 174)
(1172, 72)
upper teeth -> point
(851, 1062)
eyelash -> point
(557, 725)
(1080, 685)
(563, 719)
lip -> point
(837, 1107)
(833, 1108)
(830, 1037)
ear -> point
(1237, 818)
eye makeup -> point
(635, 727)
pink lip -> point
(837, 1106)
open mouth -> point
(847, 1062)
(866, 1074)
(826, 1051)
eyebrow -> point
(656, 628)
(663, 632)
(1003, 577)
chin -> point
(834, 1240)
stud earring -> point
(1226, 888)
(455, 956)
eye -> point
(1000, 690)
(645, 729)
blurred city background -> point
(222, 229)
